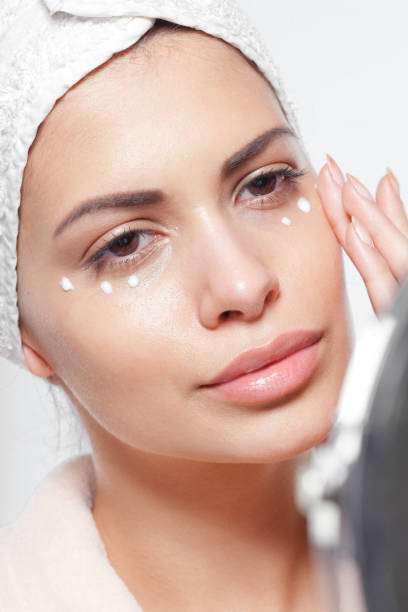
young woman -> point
(171, 239)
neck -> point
(178, 531)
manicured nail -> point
(361, 231)
(335, 171)
(359, 187)
(393, 180)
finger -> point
(329, 190)
(374, 270)
(389, 200)
(390, 242)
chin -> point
(297, 439)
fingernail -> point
(393, 179)
(362, 232)
(359, 187)
(335, 171)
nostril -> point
(272, 295)
(268, 298)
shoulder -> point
(53, 558)
(30, 552)
(9, 593)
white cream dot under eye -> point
(304, 205)
(286, 221)
(106, 287)
(66, 284)
(133, 281)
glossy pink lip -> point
(273, 382)
(267, 354)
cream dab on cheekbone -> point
(66, 284)
(304, 205)
(286, 221)
(106, 287)
(133, 281)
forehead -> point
(169, 67)
(151, 104)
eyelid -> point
(99, 261)
(107, 237)
(252, 175)
(103, 242)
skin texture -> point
(194, 497)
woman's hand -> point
(383, 264)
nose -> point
(234, 279)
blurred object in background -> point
(354, 487)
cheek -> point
(113, 350)
(314, 259)
(127, 369)
(328, 265)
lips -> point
(254, 359)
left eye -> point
(264, 184)
(271, 185)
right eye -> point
(124, 249)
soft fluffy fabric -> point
(46, 46)
(52, 558)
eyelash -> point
(289, 173)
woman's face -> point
(134, 360)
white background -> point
(344, 65)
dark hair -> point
(163, 26)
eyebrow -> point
(155, 196)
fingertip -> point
(334, 171)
